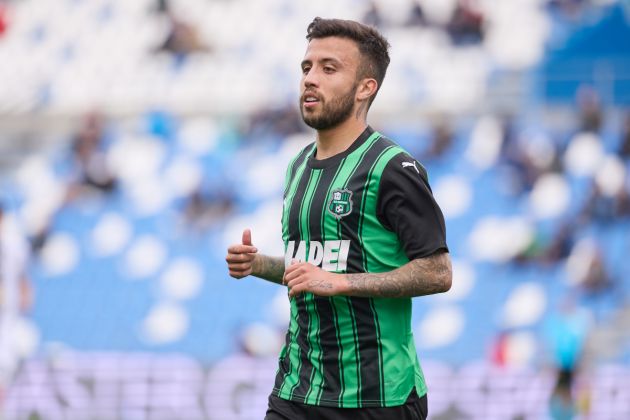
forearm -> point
(268, 268)
(422, 276)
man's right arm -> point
(243, 259)
(268, 268)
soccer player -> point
(362, 234)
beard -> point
(332, 113)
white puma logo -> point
(407, 164)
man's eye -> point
(329, 69)
(305, 69)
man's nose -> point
(311, 79)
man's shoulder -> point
(401, 161)
(397, 151)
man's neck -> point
(335, 140)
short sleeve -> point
(406, 206)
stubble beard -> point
(332, 113)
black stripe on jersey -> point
(337, 330)
(328, 342)
(285, 364)
(362, 308)
(296, 204)
(368, 348)
(357, 348)
(330, 349)
(296, 164)
(305, 368)
(379, 361)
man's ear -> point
(366, 89)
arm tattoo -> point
(422, 276)
(268, 268)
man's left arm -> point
(419, 277)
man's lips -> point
(310, 100)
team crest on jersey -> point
(340, 203)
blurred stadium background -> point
(138, 138)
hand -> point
(240, 257)
(305, 277)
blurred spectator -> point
(416, 15)
(202, 212)
(566, 331)
(589, 109)
(372, 16)
(466, 24)
(624, 150)
(182, 39)
(606, 208)
(523, 169)
(597, 278)
(569, 9)
(587, 268)
(561, 243)
(514, 157)
(274, 122)
(441, 138)
(561, 403)
(90, 165)
(549, 251)
(162, 6)
(509, 132)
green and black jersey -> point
(368, 209)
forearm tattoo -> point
(422, 276)
(268, 268)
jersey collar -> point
(334, 160)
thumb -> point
(247, 237)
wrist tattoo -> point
(268, 268)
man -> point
(362, 236)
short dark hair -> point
(373, 46)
